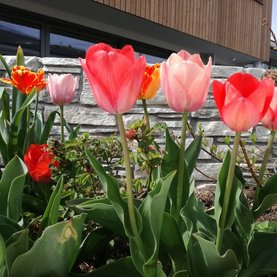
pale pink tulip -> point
(114, 75)
(270, 118)
(185, 81)
(62, 88)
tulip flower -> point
(38, 159)
(185, 81)
(151, 82)
(242, 100)
(114, 75)
(25, 80)
(270, 119)
(62, 88)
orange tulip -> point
(26, 80)
(151, 82)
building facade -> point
(232, 31)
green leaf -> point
(47, 127)
(2, 256)
(263, 255)
(54, 253)
(118, 268)
(220, 192)
(8, 227)
(111, 187)
(204, 259)
(100, 211)
(267, 196)
(152, 210)
(17, 248)
(15, 123)
(4, 104)
(94, 242)
(11, 187)
(172, 243)
(51, 213)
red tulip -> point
(242, 100)
(114, 75)
(185, 81)
(62, 88)
(270, 118)
(25, 80)
(38, 158)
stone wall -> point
(84, 111)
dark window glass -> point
(12, 35)
(64, 46)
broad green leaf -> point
(111, 187)
(204, 259)
(54, 253)
(12, 177)
(51, 213)
(8, 227)
(152, 212)
(182, 273)
(220, 192)
(263, 255)
(202, 222)
(13, 142)
(17, 248)
(94, 242)
(2, 254)
(5, 65)
(4, 104)
(119, 268)
(243, 227)
(172, 243)
(47, 127)
(102, 212)
(267, 196)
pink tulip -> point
(62, 88)
(270, 118)
(114, 75)
(242, 100)
(185, 81)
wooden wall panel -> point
(236, 24)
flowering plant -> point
(167, 231)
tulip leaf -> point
(118, 268)
(267, 196)
(263, 255)
(152, 210)
(102, 212)
(51, 213)
(2, 59)
(111, 187)
(54, 253)
(4, 104)
(47, 127)
(172, 243)
(8, 227)
(2, 256)
(220, 192)
(204, 259)
(11, 184)
(94, 242)
(13, 141)
(19, 246)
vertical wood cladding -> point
(236, 24)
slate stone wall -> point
(84, 111)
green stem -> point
(227, 193)
(130, 200)
(146, 115)
(36, 110)
(62, 125)
(266, 157)
(180, 184)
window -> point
(14, 34)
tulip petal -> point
(219, 94)
(240, 115)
